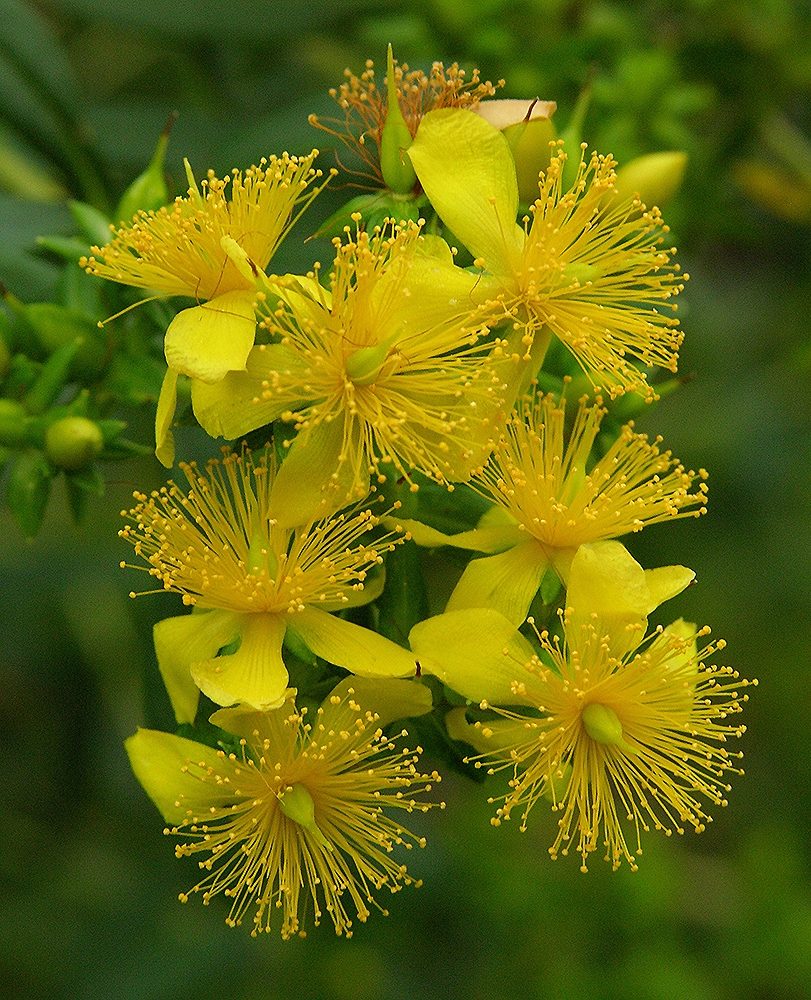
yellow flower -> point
(299, 810)
(213, 249)
(365, 107)
(550, 500)
(612, 726)
(593, 274)
(220, 545)
(388, 365)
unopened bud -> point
(148, 191)
(13, 419)
(396, 168)
(73, 442)
(655, 178)
(776, 189)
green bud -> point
(22, 374)
(56, 326)
(395, 166)
(13, 418)
(73, 442)
(148, 191)
(297, 804)
(656, 178)
(374, 209)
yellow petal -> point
(507, 581)
(159, 761)
(239, 403)
(478, 652)
(313, 480)
(387, 698)
(487, 738)
(350, 646)
(607, 590)
(255, 674)
(181, 641)
(666, 582)
(164, 415)
(466, 168)
(216, 337)
(489, 539)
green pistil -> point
(297, 804)
(603, 726)
(261, 557)
(364, 365)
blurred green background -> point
(89, 885)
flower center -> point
(602, 725)
(363, 367)
(297, 804)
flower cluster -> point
(393, 404)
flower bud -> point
(396, 138)
(528, 129)
(13, 417)
(52, 377)
(656, 178)
(73, 442)
(148, 190)
(776, 189)
(29, 486)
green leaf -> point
(135, 378)
(29, 487)
(92, 223)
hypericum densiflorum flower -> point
(592, 273)
(214, 249)
(551, 498)
(365, 107)
(388, 367)
(612, 726)
(220, 545)
(301, 812)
